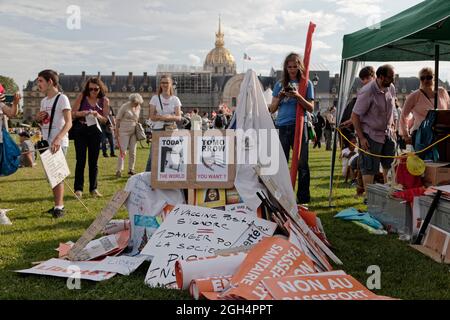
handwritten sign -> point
(55, 167)
(318, 287)
(123, 265)
(190, 232)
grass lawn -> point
(34, 235)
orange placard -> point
(273, 257)
(319, 287)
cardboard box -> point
(437, 174)
(436, 245)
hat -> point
(2, 90)
(24, 134)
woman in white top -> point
(126, 120)
(165, 110)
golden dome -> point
(220, 60)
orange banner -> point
(319, 287)
(273, 257)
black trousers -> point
(317, 143)
(107, 136)
(87, 142)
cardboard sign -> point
(318, 287)
(76, 254)
(123, 265)
(65, 269)
(55, 167)
(186, 159)
(271, 258)
(190, 232)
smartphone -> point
(9, 98)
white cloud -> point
(195, 60)
(143, 38)
(360, 8)
(327, 23)
(330, 57)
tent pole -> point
(436, 77)
(333, 152)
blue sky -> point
(136, 36)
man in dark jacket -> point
(318, 127)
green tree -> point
(9, 84)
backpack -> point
(219, 121)
(425, 137)
(10, 160)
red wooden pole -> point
(300, 119)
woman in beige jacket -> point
(126, 120)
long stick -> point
(300, 119)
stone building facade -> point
(203, 88)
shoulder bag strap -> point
(160, 102)
(53, 114)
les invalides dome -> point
(219, 60)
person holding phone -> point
(90, 108)
(54, 129)
(285, 100)
(6, 110)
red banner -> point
(300, 120)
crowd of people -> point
(373, 120)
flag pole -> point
(300, 118)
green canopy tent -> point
(420, 33)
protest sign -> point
(214, 158)
(190, 232)
(273, 257)
(318, 287)
(145, 207)
(193, 159)
(123, 265)
(55, 166)
(76, 254)
(171, 156)
(65, 269)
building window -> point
(233, 102)
(216, 70)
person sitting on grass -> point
(347, 156)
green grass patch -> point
(34, 235)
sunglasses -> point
(423, 78)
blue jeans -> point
(287, 135)
(107, 136)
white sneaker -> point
(4, 220)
